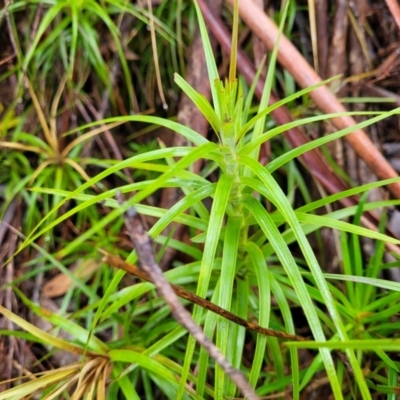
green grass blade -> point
(379, 283)
(249, 147)
(203, 363)
(238, 338)
(346, 193)
(326, 221)
(200, 102)
(44, 24)
(191, 155)
(124, 383)
(290, 155)
(217, 215)
(287, 317)
(264, 293)
(182, 130)
(80, 333)
(279, 103)
(366, 345)
(210, 61)
(42, 335)
(228, 271)
(259, 123)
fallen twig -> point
(394, 8)
(117, 262)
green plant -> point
(241, 259)
(53, 154)
(69, 34)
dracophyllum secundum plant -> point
(231, 243)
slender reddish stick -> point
(394, 8)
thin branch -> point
(117, 262)
(394, 8)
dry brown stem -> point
(394, 8)
(117, 262)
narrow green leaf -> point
(182, 130)
(288, 318)
(191, 155)
(42, 335)
(326, 221)
(366, 345)
(253, 144)
(290, 155)
(264, 293)
(210, 61)
(124, 382)
(44, 24)
(130, 356)
(279, 103)
(200, 102)
(203, 362)
(78, 332)
(346, 193)
(217, 215)
(227, 277)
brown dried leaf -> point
(61, 283)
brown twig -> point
(36, 21)
(117, 262)
(321, 10)
(148, 264)
(7, 59)
(394, 8)
(337, 56)
(13, 41)
(8, 245)
(355, 167)
(291, 59)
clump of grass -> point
(242, 260)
